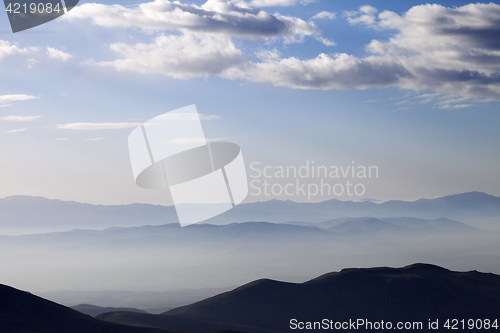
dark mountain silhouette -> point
(37, 214)
(174, 323)
(23, 312)
(413, 293)
(94, 310)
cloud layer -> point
(96, 126)
(19, 118)
(450, 50)
(214, 16)
(15, 97)
(186, 56)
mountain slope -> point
(173, 323)
(94, 310)
(23, 312)
(416, 292)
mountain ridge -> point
(39, 214)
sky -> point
(410, 88)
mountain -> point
(417, 292)
(93, 310)
(24, 214)
(175, 323)
(23, 312)
(366, 225)
(468, 206)
(393, 224)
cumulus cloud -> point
(337, 71)
(324, 15)
(447, 50)
(9, 49)
(185, 56)
(58, 54)
(284, 3)
(214, 16)
(432, 47)
(96, 126)
(32, 55)
(365, 15)
(19, 118)
(326, 41)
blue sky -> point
(413, 89)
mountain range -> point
(24, 214)
(414, 293)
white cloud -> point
(182, 57)
(31, 55)
(8, 49)
(338, 71)
(283, 3)
(94, 139)
(324, 15)
(326, 41)
(445, 50)
(16, 97)
(61, 139)
(365, 15)
(96, 126)
(209, 117)
(456, 106)
(58, 54)
(214, 17)
(19, 118)
(17, 130)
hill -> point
(94, 310)
(413, 293)
(20, 311)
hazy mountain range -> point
(24, 214)
(136, 266)
(415, 293)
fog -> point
(161, 259)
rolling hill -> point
(413, 293)
(23, 312)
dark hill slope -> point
(416, 292)
(22, 312)
(173, 322)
